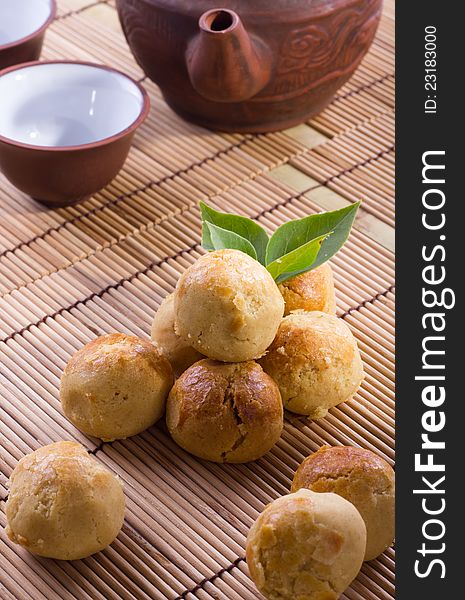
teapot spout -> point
(224, 62)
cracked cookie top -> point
(225, 412)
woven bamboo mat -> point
(68, 275)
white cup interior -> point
(21, 18)
(65, 104)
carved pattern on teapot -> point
(310, 50)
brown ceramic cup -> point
(22, 29)
(66, 127)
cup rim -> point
(41, 29)
(144, 111)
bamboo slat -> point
(106, 264)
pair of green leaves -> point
(294, 248)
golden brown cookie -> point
(363, 478)
(315, 361)
(176, 350)
(227, 306)
(225, 412)
(63, 503)
(115, 386)
(313, 290)
(306, 546)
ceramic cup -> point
(66, 127)
(22, 29)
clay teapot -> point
(253, 66)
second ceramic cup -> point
(66, 127)
(22, 28)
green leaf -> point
(296, 261)
(295, 234)
(222, 238)
(242, 226)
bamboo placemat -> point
(68, 275)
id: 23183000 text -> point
(431, 102)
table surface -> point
(68, 275)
